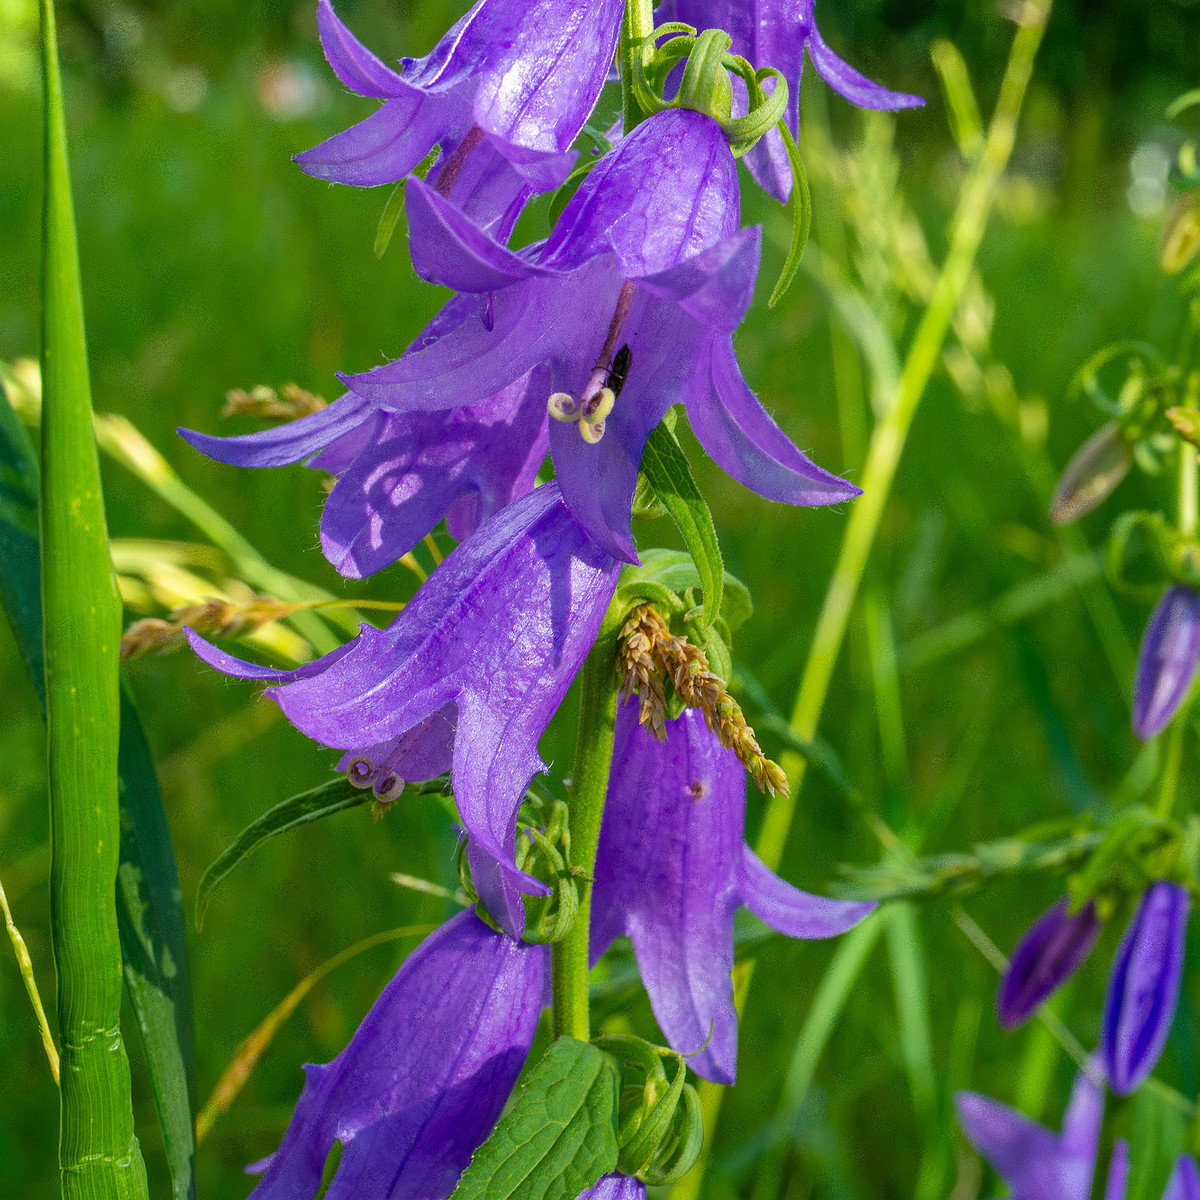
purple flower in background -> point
(1036, 1163)
(467, 677)
(648, 254)
(424, 1077)
(775, 33)
(1045, 958)
(1184, 1183)
(621, 1187)
(504, 94)
(672, 869)
(1143, 987)
(1167, 660)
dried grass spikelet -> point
(649, 653)
(214, 617)
(289, 402)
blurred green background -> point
(211, 262)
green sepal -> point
(388, 218)
(801, 216)
(667, 579)
(1156, 1140)
(559, 1135)
(1138, 848)
(666, 469)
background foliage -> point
(211, 262)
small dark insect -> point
(619, 371)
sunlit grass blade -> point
(25, 965)
(99, 1155)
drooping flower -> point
(648, 254)
(1143, 987)
(504, 94)
(1167, 660)
(1045, 958)
(672, 869)
(467, 677)
(775, 33)
(422, 1081)
(621, 1187)
(1036, 1163)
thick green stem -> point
(637, 23)
(1188, 509)
(883, 455)
(99, 1154)
(589, 786)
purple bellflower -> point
(647, 254)
(424, 1077)
(467, 677)
(504, 94)
(1184, 1183)
(775, 33)
(626, 1187)
(1036, 1163)
(1167, 660)
(672, 869)
(1143, 987)
(1045, 958)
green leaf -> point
(334, 797)
(558, 1137)
(666, 467)
(150, 918)
(1155, 1142)
(388, 218)
(801, 216)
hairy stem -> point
(589, 786)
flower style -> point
(424, 1077)
(1143, 987)
(671, 870)
(467, 677)
(504, 94)
(1036, 1163)
(1167, 660)
(775, 33)
(647, 254)
(1045, 958)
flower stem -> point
(883, 456)
(637, 23)
(589, 786)
(1188, 510)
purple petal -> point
(735, 429)
(1045, 958)
(1184, 1183)
(423, 752)
(619, 1187)
(287, 443)
(1143, 987)
(240, 669)
(1167, 660)
(351, 61)
(789, 910)
(499, 629)
(851, 84)
(768, 163)
(1118, 1173)
(424, 1077)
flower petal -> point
(621, 1187)
(1184, 1183)
(735, 429)
(425, 1075)
(351, 61)
(240, 669)
(1143, 987)
(852, 84)
(1118, 1173)
(1045, 958)
(1167, 660)
(789, 910)
(287, 443)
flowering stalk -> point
(589, 785)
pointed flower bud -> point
(1167, 660)
(1045, 958)
(1143, 987)
(671, 871)
(504, 94)
(1036, 1163)
(1092, 475)
(424, 1077)
(1184, 1183)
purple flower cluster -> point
(573, 347)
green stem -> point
(887, 443)
(1188, 510)
(1174, 759)
(99, 1154)
(637, 23)
(589, 786)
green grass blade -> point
(99, 1155)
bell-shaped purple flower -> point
(621, 1187)
(648, 254)
(1167, 660)
(1184, 1183)
(672, 869)
(1143, 986)
(424, 1077)
(1036, 1163)
(775, 33)
(467, 676)
(504, 94)
(1045, 958)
